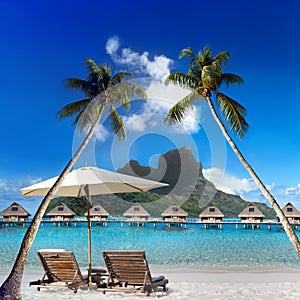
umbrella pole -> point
(89, 237)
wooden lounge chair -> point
(60, 266)
(130, 268)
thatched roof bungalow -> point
(15, 213)
(211, 214)
(251, 214)
(61, 213)
(98, 213)
(136, 213)
(174, 213)
(292, 213)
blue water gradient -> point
(166, 248)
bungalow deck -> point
(157, 223)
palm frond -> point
(204, 57)
(72, 108)
(178, 112)
(182, 79)
(211, 76)
(120, 77)
(91, 112)
(234, 114)
(222, 58)
(101, 89)
(78, 117)
(187, 52)
(105, 70)
(92, 66)
(122, 93)
(230, 79)
(77, 84)
(103, 78)
(117, 124)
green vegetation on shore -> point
(192, 193)
(230, 205)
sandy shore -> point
(193, 285)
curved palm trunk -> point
(284, 221)
(11, 287)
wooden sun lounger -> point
(130, 268)
(60, 266)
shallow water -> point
(166, 248)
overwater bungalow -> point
(174, 213)
(211, 214)
(136, 213)
(15, 213)
(61, 213)
(292, 213)
(98, 213)
(251, 214)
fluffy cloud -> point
(247, 189)
(158, 68)
(101, 133)
(228, 183)
(160, 99)
(112, 45)
(138, 123)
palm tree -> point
(102, 91)
(204, 79)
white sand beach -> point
(193, 285)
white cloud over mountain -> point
(228, 183)
(247, 189)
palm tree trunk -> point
(11, 287)
(284, 221)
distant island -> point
(187, 188)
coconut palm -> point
(101, 91)
(204, 79)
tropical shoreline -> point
(257, 285)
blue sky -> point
(43, 43)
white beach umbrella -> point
(90, 181)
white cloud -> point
(112, 45)
(158, 68)
(247, 189)
(190, 123)
(7, 187)
(271, 187)
(101, 133)
(160, 99)
(139, 123)
(294, 190)
(228, 183)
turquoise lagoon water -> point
(192, 248)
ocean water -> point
(170, 249)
